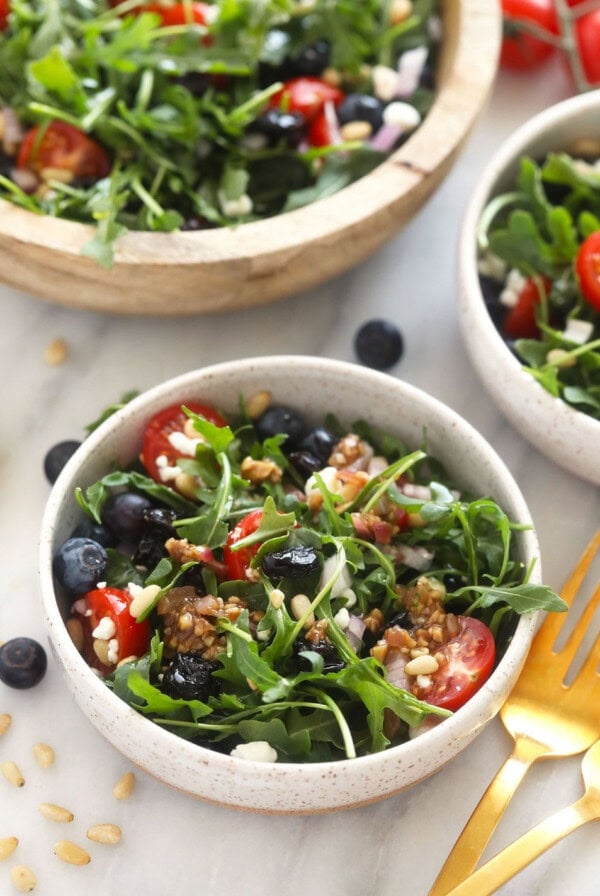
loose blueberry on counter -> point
(124, 514)
(190, 677)
(291, 563)
(361, 107)
(56, 458)
(280, 418)
(278, 127)
(23, 663)
(80, 564)
(379, 344)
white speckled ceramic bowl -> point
(569, 437)
(319, 385)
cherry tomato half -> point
(177, 13)
(306, 95)
(63, 146)
(587, 265)
(519, 49)
(113, 603)
(469, 658)
(587, 32)
(238, 562)
(320, 131)
(4, 11)
(162, 425)
(520, 322)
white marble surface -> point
(172, 844)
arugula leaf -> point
(92, 501)
(110, 410)
(272, 523)
(524, 598)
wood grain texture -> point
(217, 270)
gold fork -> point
(545, 718)
(519, 854)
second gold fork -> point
(544, 716)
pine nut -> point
(23, 878)
(124, 786)
(101, 651)
(75, 630)
(400, 10)
(258, 403)
(104, 833)
(56, 353)
(331, 76)
(5, 723)
(62, 175)
(185, 485)
(300, 604)
(421, 665)
(55, 813)
(12, 773)
(44, 755)
(142, 599)
(7, 847)
(70, 852)
(560, 358)
(356, 130)
(276, 598)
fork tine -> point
(578, 634)
(554, 622)
(589, 669)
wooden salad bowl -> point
(221, 269)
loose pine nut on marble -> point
(55, 813)
(7, 847)
(124, 786)
(5, 722)
(70, 852)
(23, 878)
(104, 833)
(12, 773)
(44, 755)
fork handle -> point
(486, 815)
(523, 851)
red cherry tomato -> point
(320, 131)
(469, 661)
(177, 14)
(519, 49)
(63, 146)
(170, 420)
(113, 603)
(587, 32)
(587, 265)
(238, 562)
(305, 95)
(520, 322)
(4, 11)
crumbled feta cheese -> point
(105, 629)
(342, 617)
(168, 474)
(101, 585)
(343, 581)
(401, 115)
(162, 461)
(183, 444)
(113, 651)
(263, 634)
(489, 265)
(578, 331)
(235, 208)
(385, 82)
(515, 282)
(423, 681)
(255, 750)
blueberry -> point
(190, 677)
(193, 578)
(305, 462)
(157, 528)
(57, 457)
(7, 163)
(401, 618)
(361, 107)
(332, 662)
(279, 127)
(197, 83)
(23, 663)
(274, 64)
(312, 59)
(79, 564)
(281, 419)
(124, 514)
(291, 563)
(379, 344)
(319, 442)
(453, 581)
(96, 531)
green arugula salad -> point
(185, 115)
(539, 263)
(278, 590)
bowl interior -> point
(323, 386)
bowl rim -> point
(464, 719)
(412, 164)
(507, 154)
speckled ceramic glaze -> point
(320, 386)
(569, 437)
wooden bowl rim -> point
(453, 112)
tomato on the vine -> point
(162, 425)
(468, 661)
(4, 11)
(132, 637)
(587, 265)
(587, 33)
(60, 145)
(521, 322)
(238, 562)
(306, 95)
(521, 50)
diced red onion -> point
(395, 662)
(355, 631)
(333, 125)
(420, 492)
(25, 179)
(377, 465)
(386, 138)
(410, 69)
(12, 132)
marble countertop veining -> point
(171, 843)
